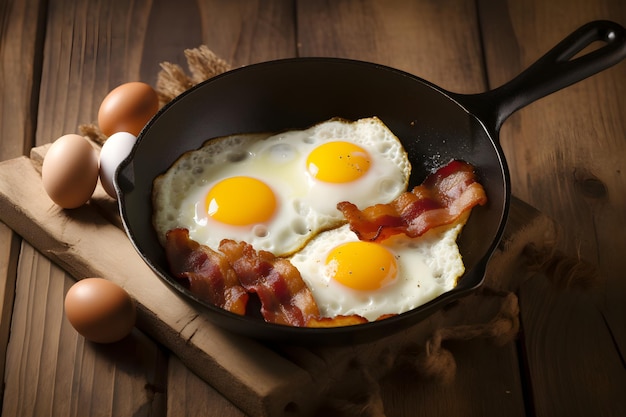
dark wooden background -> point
(59, 58)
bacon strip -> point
(226, 277)
(337, 321)
(340, 320)
(440, 200)
(285, 298)
(205, 272)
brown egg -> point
(70, 171)
(127, 108)
(100, 310)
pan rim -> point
(277, 332)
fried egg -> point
(278, 191)
(348, 276)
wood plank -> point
(90, 48)
(574, 366)
(9, 251)
(188, 395)
(22, 27)
(566, 156)
(113, 42)
(242, 32)
(52, 371)
(403, 34)
(245, 32)
(461, 398)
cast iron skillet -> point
(434, 126)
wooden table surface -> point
(59, 58)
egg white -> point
(305, 206)
(427, 267)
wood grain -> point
(496, 394)
(189, 395)
(21, 41)
(565, 340)
(565, 153)
(113, 42)
(567, 160)
(90, 48)
(407, 35)
(9, 252)
(38, 378)
(245, 32)
(20, 64)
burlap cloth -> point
(491, 313)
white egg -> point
(277, 192)
(116, 148)
(348, 276)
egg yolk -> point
(361, 265)
(338, 162)
(241, 201)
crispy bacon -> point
(337, 321)
(225, 277)
(440, 200)
(340, 320)
(205, 272)
(285, 298)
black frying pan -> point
(434, 126)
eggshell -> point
(127, 108)
(100, 310)
(116, 148)
(70, 171)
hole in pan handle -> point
(560, 67)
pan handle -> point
(558, 68)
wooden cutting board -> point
(262, 380)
